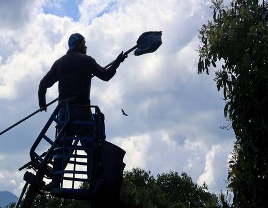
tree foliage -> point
(237, 38)
(10, 205)
(140, 189)
(182, 191)
(46, 200)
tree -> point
(10, 205)
(182, 190)
(141, 189)
(237, 37)
(225, 200)
(46, 200)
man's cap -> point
(73, 40)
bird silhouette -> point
(123, 113)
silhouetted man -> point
(73, 72)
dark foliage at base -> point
(140, 189)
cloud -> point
(37, 50)
(12, 182)
(160, 152)
(135, 147)
(216, 166)
(174, 113)
(15, 14)
(90, 10)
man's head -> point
(77, 43)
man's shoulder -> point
(80, 58)
(61, 59)
(78, 55)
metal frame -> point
(42, 164)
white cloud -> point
(112, 94)
(12, 182)
(207, 176)
(15, 14)
(216, 166)
(174, 114)
(38, 48)
(2, 175)
(135, 147)
(165, 137)
(89, 10)
(186, 54)
(159, 152)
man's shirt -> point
(74, 71)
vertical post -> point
(75, 154)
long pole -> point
(126, 53)
(27, 117)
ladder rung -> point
(74, 148)
(89, 139)
(76, 172)
(47, 139)
(71, 172)
(70, 156)
(77, 163)
(75, 179)
(56, 120)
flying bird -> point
(123, 113)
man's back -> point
(74, 71)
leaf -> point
(226, 108)
(213, 63)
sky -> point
(175, 114)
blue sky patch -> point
(64, 8)
(111, 6)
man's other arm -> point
(48, 80)
(107, 74)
